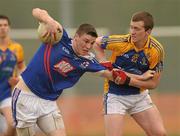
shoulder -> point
(15, 45)
(155, 45)
(156, 48)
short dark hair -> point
(87, 29)
(146, 17)
(5, 18)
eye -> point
(92, 42)
(86, 41)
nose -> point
(88, 45)
(132, 31)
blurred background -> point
(82, 105)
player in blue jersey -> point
(11, 62)
(134, 53)
(53, 69)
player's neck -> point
(140, 44)
(4, 41)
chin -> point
(134, 40)
(84, 53)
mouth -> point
(85, 52)
(133, 38)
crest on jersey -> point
(85, 64)
(135, 58)
(63, 67)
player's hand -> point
(120, 77)
(148, 75)
(108, 65)
(99, 40)
(13, 81)
(52, 27)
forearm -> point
(145, 76)
(41, 15)
(105, 73)
(138, 77)
(149, 84)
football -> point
(45, 37)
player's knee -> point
(28, 131)
(51, 123)
(162, 133)
(159, 132)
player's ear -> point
(149, 31)
(76, 36)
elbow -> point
(153, 86)
(37, 11)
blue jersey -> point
(57, 67)
(8, 60)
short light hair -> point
(5, 18)
(146, 17)
(87, 29)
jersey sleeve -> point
(114, 42)
(157, 59)
(19, 53)
(65, 35)
(94, 66)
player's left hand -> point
(13, 81)
(148, 74)
(120, 77)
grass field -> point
(83, 115)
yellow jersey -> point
(9, 57)
(126, 56)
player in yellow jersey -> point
(11, 63)
(134, 53)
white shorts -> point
(5, 103)
(29, 109)
(122, 104)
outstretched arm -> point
(120, 77)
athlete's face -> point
(4, 28)
(138, 32)
(83, 44)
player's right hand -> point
(52, 27)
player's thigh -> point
(115, 107)
(52, 124)
(7, 111)
(114, 124)
(150, 120)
